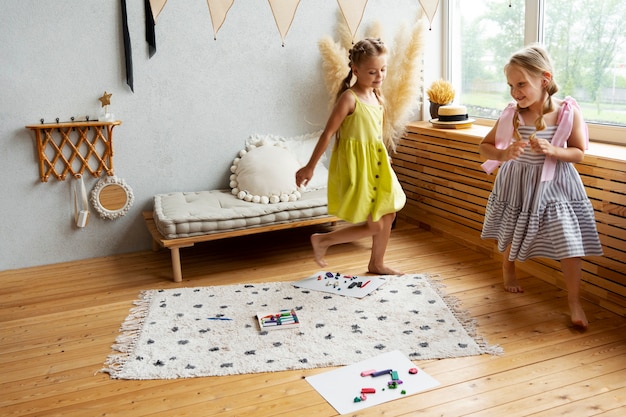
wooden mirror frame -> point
(112, 197)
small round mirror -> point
(112, 197)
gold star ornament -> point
(105, 99)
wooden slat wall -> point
(447, 192)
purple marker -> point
(379, 373)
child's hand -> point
(542, 146)
(514, 150)
(303, 176)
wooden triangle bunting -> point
(352, 11)
(284, 11)
(218, 10)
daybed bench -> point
(182, 219)
(262, 197)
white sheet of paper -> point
(340, 386)
(337, 283)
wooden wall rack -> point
(74, 147)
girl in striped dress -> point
(538, 206)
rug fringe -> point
(129, 333)
(463, 316)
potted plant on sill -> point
(439, 93)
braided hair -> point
(362, 50)
(535, 60)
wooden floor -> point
(58, 324)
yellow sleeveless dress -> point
(361, 181)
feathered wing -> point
(343, 30)
(403, 85)
(335, 65)
(375, 30)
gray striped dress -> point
(551, 219)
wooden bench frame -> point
(174, 245)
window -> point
(585, 38)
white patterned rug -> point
(208, 331)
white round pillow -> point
(301, 147)
(265, 174)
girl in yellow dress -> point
(362, 187)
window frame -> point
(533, 32)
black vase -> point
(434, 110)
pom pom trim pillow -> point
(301, 148)
(265, 174)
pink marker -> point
(367, 373)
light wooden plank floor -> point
(59, 321)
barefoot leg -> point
(322, 241)
(508, 273)
(572, 273)
(319, 249)
(379, 246)
(384, 270)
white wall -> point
(195, 103)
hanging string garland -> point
(430, 8)
(156, 6)
(284, 13)
(218, 9)
(352, 12)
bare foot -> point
(579, 319)
(383, 270)
(510, 280)
(319, 250)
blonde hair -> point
(534, 59)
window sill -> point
(607, 151)
(598, 149)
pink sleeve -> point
(565, 122)
(504, 134)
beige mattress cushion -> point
(185, 214)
